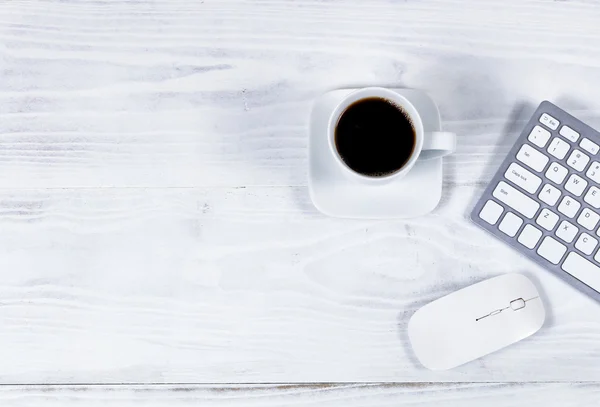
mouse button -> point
(524, 287)
(497, 292)
(534, 312)
(517, 285)
(517, 304)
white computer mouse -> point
(476, 321)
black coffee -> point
(374, 137)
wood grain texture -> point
(346, 395)
(251, 285)
(155, 225)
(218, 92)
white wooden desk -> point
(157, 242)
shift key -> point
(516, 199)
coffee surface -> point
(374, 137)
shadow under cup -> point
(374, 137)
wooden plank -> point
(346, 395)
(223, 285)
(218, 93)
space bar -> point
(583, 270)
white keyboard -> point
(545, 198)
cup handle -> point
(437, 144)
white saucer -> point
(334, 194)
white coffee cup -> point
(428, 145)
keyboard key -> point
(549, 194)
(532, 158)
(569, 206)
(576, 185)
(529, 236)
(588, 219)
(516, 199)
(593, 172)
(556, 173)
(583, 270)
(558, 148)
(510, 224)
(539, 136)
(586, 243)
(578, 160)
(552, 250)
(593, 197)
(567, 231)
(589, 146)
(523, 178)
(569, 133)
(549, 121)
(547, 219)
(491, 212)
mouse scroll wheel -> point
(517, 304)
